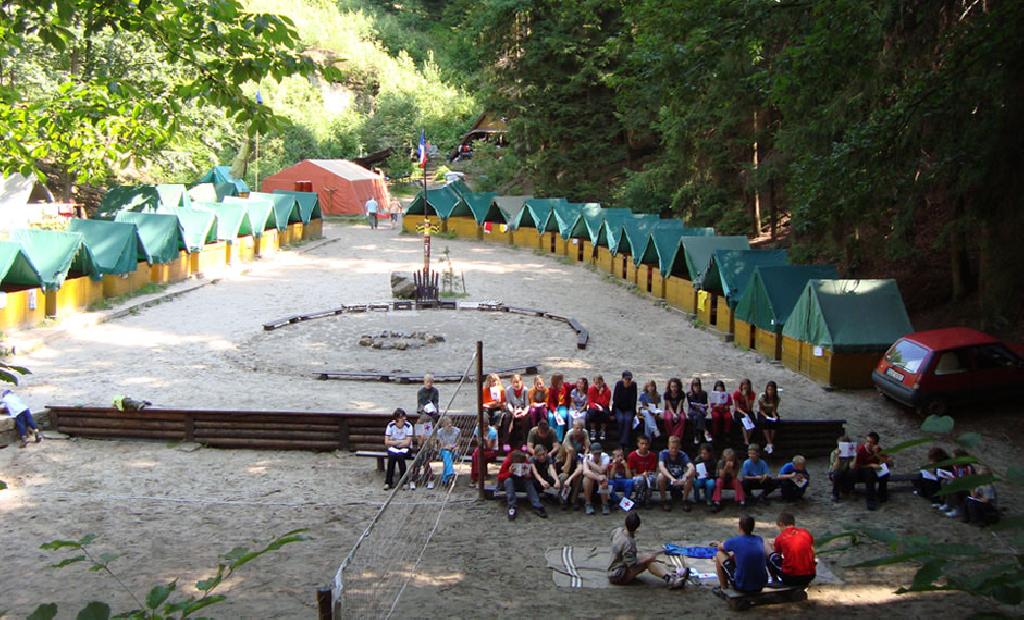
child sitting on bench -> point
(793, 562)
(740, 561)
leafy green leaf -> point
(969, 440)
(95, 610)
(1008, 595)
(908, 444)
(966, 483)
(1015, 474)
(926, 575)
(46, 611)
(898, 558)
(205, 585)
(202, 603)
(937, 424)
(67, 561)
(158, 594)
(53, 545)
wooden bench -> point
(272, 430)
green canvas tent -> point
(481, 205)
(578, 228)
(772, 291)
(849, 316)
(54, 254)
(444, 201)
(636, 233)
(261, 213)
(286, 208)
(197, 227)
(459, 186)
(510, 206)
(309, 204)
(139, 198)
(211, 192)
(172, 196)
(695, 252)
(16, 270)
(729, 271)
(565, 216)
(614, 225)
(536, 213)
(232, 219)
(663, 243)
(116, 247)
(596, 220)
(222, 174)
(160, 234)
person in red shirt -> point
(599, 398)
(868, 468)
(643, 464)
(793, 561)
(494, 398)
(559, 400)
(516, 474)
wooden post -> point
(324, 607)
(481, 462)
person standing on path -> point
(371, 207)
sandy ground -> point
(170, 513)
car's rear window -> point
(906, 355)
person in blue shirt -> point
(794, 479)
(675, 474)
(741, 560)
(755, 475)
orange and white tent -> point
(341, 186)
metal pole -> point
(257, 161)
(481, 462)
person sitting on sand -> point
(427, 398)
(485, 453)
(627, 565)
(981, 508)
(928, 487)
(599, 398)
(595, 477)
(516, 474)
(542, 435)
(398, 442)
(643, 464)
(793, 562)
(794, 479)
(23, 420)
(544, 474)
(740, 561)
(728, 478)
(675, 474)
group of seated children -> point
(624, 412)
(578, 466)
(743, 563)
(977, 506)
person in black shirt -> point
(624, 409)
(428, 394)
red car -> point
(935, 369)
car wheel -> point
(933, 406)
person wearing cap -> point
(624, 408)
(23, 420)
(595, 476)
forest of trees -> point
(883, 135)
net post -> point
(481, 464)
(324, 605)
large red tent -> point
(342, 186)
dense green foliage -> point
(883, 134)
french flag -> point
(423, 150)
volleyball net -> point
(373, 576)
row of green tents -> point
(809, 303)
